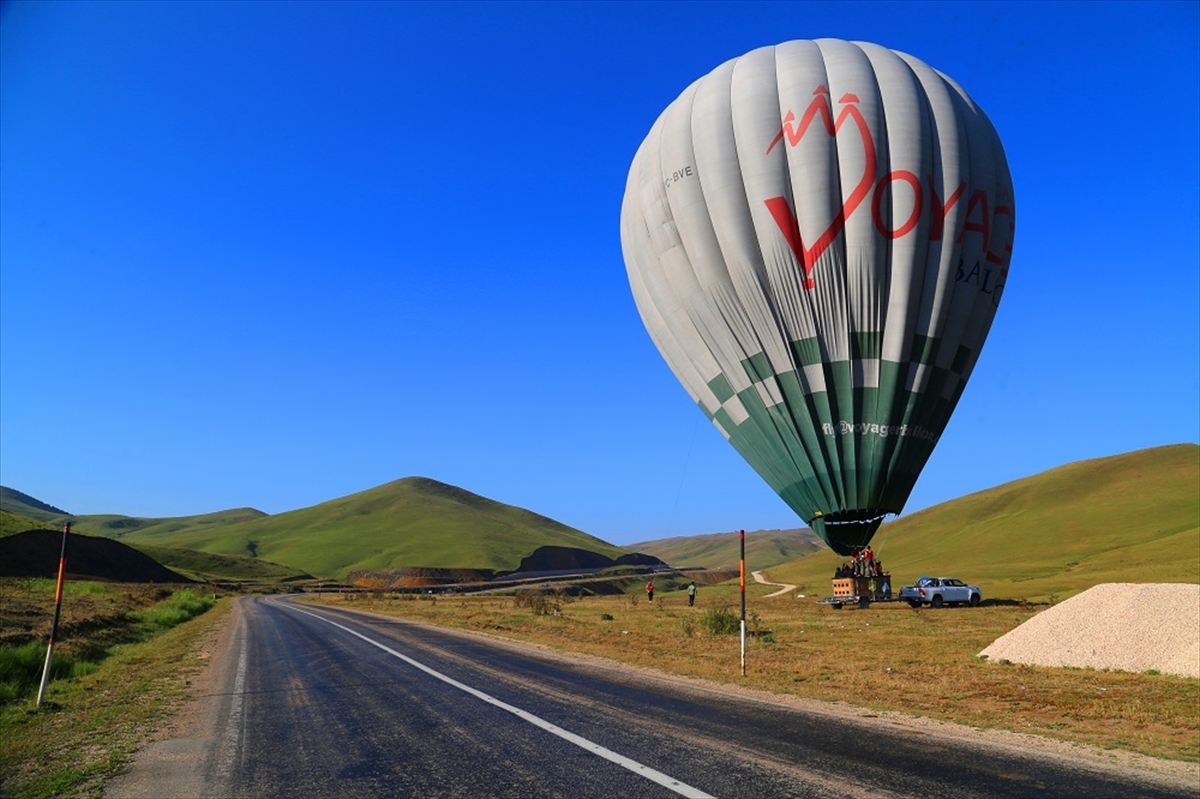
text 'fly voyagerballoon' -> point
(817, 236)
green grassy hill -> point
(207, 567)
(764, 548)
(15, 523)
(1128, 518)
(20, 504)
(409, 522)
(116, 525)
(201, 566)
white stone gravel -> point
(1120, 626)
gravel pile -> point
(1120, 626)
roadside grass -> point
(138, 663)
(887, 658)
(96, 618)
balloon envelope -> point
(817, 236)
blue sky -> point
(272, 254)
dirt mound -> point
(1121, 626)
(35, 553)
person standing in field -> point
(691, 593)
(650, 591)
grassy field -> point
(124, 657)
(887, 658)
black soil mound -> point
(35, 553)
(546, 559)
(410, 576)
(562, 559)
(639, 559)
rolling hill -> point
(1131, 517)
(116, 525)
(20, 504)
(411, 522)
(1126, 518)
(764, 548)
(414, 522)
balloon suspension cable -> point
(887, 531)
(855, 517)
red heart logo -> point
(782, 212)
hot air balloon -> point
(817, 236)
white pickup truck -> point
(939, 591)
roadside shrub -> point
(720, 621)
(537, 602)
(182, 606)
(688, 626)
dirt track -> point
(784, 587)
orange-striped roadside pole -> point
(58, 592)
(742, 569)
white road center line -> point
(664, 780)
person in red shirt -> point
(650, 591)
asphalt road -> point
(323, 702)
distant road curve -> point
(309, 700)
(758, 577)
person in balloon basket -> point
(650, 591)
(691, 589)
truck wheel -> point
(937, 601)
(835, 605)
(864, 603)
(974, 600)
